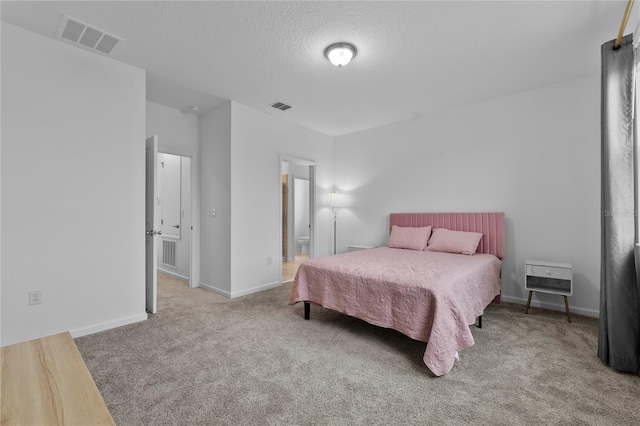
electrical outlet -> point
(35, 297)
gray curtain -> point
(619, 339)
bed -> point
(430, 296)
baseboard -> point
(96, 328)
(215, 290)
(173, 274)
(552, 306)
(233, 295)
(256, 289)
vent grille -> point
(169, 253)
(280, 105)
(78, 32)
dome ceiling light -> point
(340, 54)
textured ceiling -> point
(414, 58)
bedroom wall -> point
(73, 188)
(179, 133)
(215, 184)
(259, 142)
(534, 155)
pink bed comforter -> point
(429, 296)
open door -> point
(312, 209)
(285, 217)
(152, 225)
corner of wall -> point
(215, 198)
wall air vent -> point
(169, 253)
(280, 105)
(77, 32)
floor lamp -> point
(336, 200)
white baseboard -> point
(215, 290)
(552, 306)
(173, 274)
(96, 328)
(256, 289)
(233, 295)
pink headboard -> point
(490, 224)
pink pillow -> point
(454, 241)
(409, 238)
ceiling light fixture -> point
(340, 54)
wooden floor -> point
(46, 382)
(289, 269)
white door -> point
(152, 224)
(312, 208)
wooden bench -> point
(46, 382)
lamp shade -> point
(337, 200)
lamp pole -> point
(335, 222)
(336, 200)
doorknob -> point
(176, 226)
(152, 233)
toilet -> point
(304, 242)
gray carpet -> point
(204, 359)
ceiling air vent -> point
(78, 32)
(280, 105)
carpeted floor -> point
(204, 359)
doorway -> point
(175, 210)
(184, 217)
(297, 214)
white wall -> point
(534, 155)
(73, 187)
(259, 141)
(215, 182)
(178, 131)
(179, 134)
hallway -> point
(289, 269)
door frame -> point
(194, 249)
(312, 203)
(151, 224)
